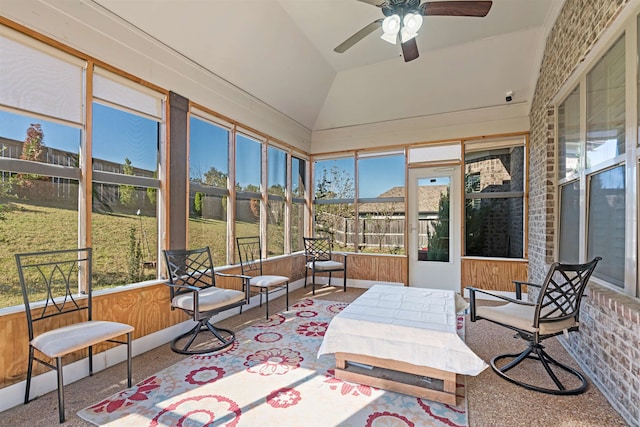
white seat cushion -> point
(67, 339)
(208, 299)
(326, 265)
(521, 316)
(267, 281)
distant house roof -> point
(428, 200)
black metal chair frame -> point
(558, 301)
(191, 271)
(56, 274)
(318, 250)
(250, 257)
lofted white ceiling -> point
(281, 52)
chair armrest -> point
(527, 283)
(472, 300)
(245, 283)
(502, 297)
(519, 283)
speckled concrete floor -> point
(491, 400)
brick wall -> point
(608, 344)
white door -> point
(433, 215)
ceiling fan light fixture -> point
(412, 22)
(391, 24)
(390, 38)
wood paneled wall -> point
(146, 308)
(495, 275)
(385, 268)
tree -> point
(380, 223)
(197, 202)
(127, 191)
(331, 219)
(438, 239)
(215, 178)
(33, 150)
(134, 257)
(33, 147)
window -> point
(41, 123)
(276, 186)
(298, 193)
(607, 224)
(126, 123)
(381, 195)
(248, 188)
(569, 247)
(569, 135)
(334, 184)
(38, 212)
(208, 188)
(606, 107)
(494, 200)
(593, 210)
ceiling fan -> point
(403, 19)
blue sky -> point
(118, 134)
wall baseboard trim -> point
(13, 395)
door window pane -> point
(606, 225)
(606, 107)
(434, 219)
(569, 135)
(569, 223)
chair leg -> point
(306, 273)
(29, 372)
(266, 296)
(287, 296)
(129, 367)
(90, 361)
(535, 351)
(345, 278)
(60, 389)
(313, 284)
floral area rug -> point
(270, 376)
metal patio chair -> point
(192, 283)
(250, 253)
(50, 283)
(555, 312)
(319, 259)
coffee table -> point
(402, 339)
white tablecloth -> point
(407, 324)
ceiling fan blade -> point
(342, 47)
(410, 50)
(377, 3)
(455, 8)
